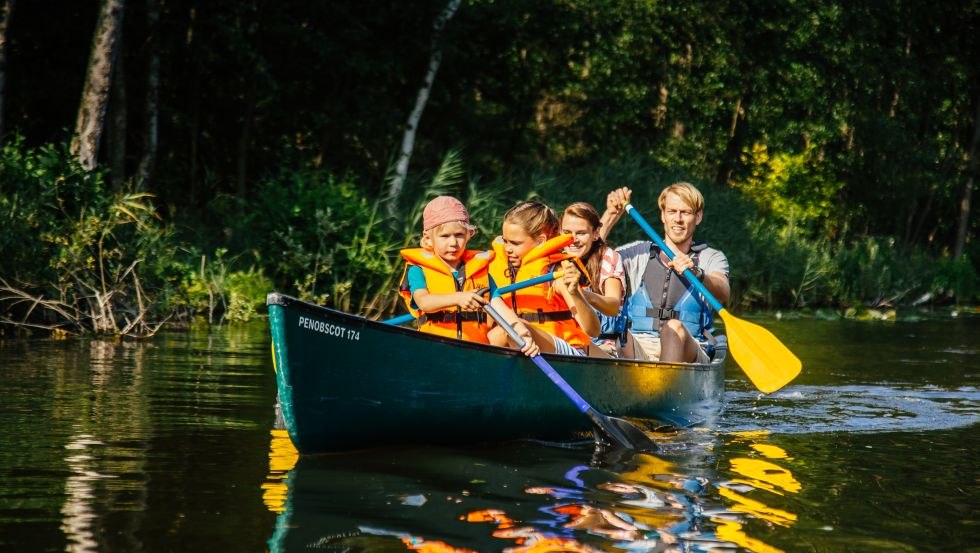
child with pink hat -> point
(441, 276)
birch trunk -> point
(151, 115)
(408, 138)
(95, 93)
(118, 116)
(963, 228)
(5, 12)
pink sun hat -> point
(444, 209)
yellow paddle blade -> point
(766, 361)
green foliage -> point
(213, 289)
(793, 189)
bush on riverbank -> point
(81, 257)
(78, 257)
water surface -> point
(170, 445)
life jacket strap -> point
(452, 317)
(663, 314)
(545, 316)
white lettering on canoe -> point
(336, 331)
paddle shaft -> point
(529, 282)
(542, 364)
(400, 319)
(615, 431)
(689, 274)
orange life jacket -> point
(452, 322)
(540, 304)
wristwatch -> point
(699, 272)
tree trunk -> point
(736, 142)
(151, 114)
(408, 139)
(95, 93)
(117, 126)
(963, 228)
(5, 12)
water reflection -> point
(508, 499)
(115, 445)
(104, 452)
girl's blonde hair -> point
(425, 242)
(535, 218)
(687, 192)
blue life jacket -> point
(691, 309)
(613, 326)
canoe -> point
(346, 382)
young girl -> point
(561, 320)
(441, 276)
(606, 294)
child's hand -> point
(531, 347)
(568, 283)
(470, 301)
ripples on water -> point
(851, 408)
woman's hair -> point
(687, 192)
(425, 242)
(592, 259)
(535, 218)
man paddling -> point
(670, 320)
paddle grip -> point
(689, 274)
(399, 319)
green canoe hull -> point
(346, 382)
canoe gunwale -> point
(276, 298)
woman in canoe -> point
(560, 318)
(607, 292)
(441, 276)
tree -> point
(151, 109)
(963, 226)
(408, 139)
(95, 94)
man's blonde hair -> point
(686, 192)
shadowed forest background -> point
(243, 146)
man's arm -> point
(616, 201)
(715, 266)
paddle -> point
(614, 431)
(766, 361)
(500, 291)
(404, 318)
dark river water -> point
(170, 445)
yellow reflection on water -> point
(758, 509)
(757, 475)
(730, 530)
(765, 475)
(772, 451)
(282, 459)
